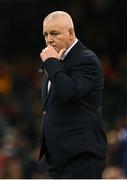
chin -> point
(57, 50)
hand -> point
(49, 51)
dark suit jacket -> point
(72, 120)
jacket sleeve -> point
(75, 84)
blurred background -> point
(102, 26)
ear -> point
(71, 31)
(71, 34)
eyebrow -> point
(53, 31)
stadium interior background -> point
(102, 26)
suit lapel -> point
(45, 94)
(72, 54)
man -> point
(72, 139)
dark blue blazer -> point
(72, 118)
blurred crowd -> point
(20, 116)
(101, 26)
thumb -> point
(61, 52)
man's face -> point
(56, 34)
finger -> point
(46, 48)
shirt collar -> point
(67, 51)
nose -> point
(49, 39)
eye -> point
(54, 33)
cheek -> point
(63, 43)
(60, 45)
(46, 42)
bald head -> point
(62, 17)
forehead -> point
(52, 25)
